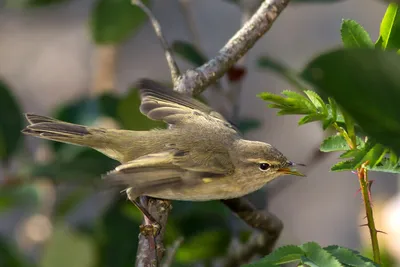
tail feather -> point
(120, 145)
(34, 118)
(57, 128)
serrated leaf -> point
(114, 21)
(385, 166)
(353, 77)
(311, 118)
(284, 254)
(349, 154)
(289, 105)
(348, 257)
(347, 165)
(394, 159)
(189, 52)
(10, 123)
(317, 101)
(317, 255)
(334, 143)
(390, 28)
(333, 108)
(354, 35)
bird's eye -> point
(264, 166)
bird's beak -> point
(290, 172)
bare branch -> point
(270, 225)
(175, 73)
(169, 258)
(195, 81)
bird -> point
(201, 156)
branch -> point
(151, 247)
(268, 223)
(196, 81)
(175, 73)
(169, 259)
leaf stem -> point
(365, 191)
(345, 136)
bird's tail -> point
(108, 141)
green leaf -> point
(347, 165)
(317, 102)
(390, 28)
(311, 118)
(114, 21)
(284, 254)
(204, 246)
(189, 52)
(334, 143)
(291, 76)
(10, 123)
(317, 256)
(348, 257)
(130, 116)
(289, 105)
(68, 248)
(361, 78)
(248, 124)
(354, 35)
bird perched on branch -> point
(200, 157)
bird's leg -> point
(151, 226)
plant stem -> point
(365, 191)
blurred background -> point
(77, 60)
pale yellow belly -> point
(215, 190)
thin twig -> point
(175, 73)
(195, 81)
(169, 258)
(270, 225)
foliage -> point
(360, 88)
(312, 254)
(10, 123)
(361, 74)
(112, 21)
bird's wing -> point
(161, 103)
(155, 172)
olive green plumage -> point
(201, 156)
